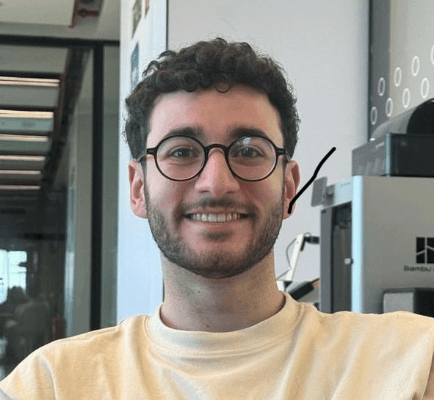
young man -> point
(212, 130)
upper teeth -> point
(224, 217)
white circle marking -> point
(424, 88)
(373, 115)
(397, 77)
(389, 107)
(415, 66)
(381, 86)
(406, 97)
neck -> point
(195, 303)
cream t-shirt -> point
(299, 353)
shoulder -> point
(100, 338)
(399, 320)
(369, 344)
(374, 330)
(56, 365)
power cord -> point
(307, 238)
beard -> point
(216, 264)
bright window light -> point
(26, 114)
(19, 187)
(11, 275)
(23, 158)
(18, 172)
(38, 82)
(23, 138)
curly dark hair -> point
(204, 65)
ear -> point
(292, 181)
(137, 192)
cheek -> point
(165, 195)
(264, 195)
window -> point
(11, 274)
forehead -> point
(216, 115)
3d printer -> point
(377, 227)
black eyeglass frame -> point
(206, 149)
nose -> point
(216, 177)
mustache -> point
(210, 202)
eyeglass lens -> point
(182, 158)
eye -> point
(182, 152)
(247, 152)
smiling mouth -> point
(221, 217)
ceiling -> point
(45, 22)
(35, 12)
(35, 83)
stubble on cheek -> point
(217, 263)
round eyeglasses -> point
(250, 158)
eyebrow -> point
(240, 131)
(233, 133)
(191, 131)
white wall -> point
(140, 285)
(323, 46)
